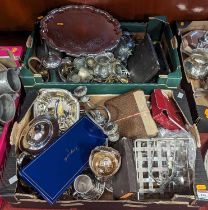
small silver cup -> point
(88, 189)
(9, 82)
(83, 184)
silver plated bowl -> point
(38, 134)
(104, 162)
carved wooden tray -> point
(80, 30)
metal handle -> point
(34, 71)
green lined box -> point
(159, 30)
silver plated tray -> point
(80, 30)
(58, 103)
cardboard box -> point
(20, 199)
(159, 31)
(182, 29)
(197, 98)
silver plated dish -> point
(38, 134)
(60, 104)
(80, 30)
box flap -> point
(179, 97)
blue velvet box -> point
(54, 170)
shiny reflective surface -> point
(165, 163)
(103, 67)
(51, 61)
(83, 184)
(80, 30)
(196, 66)
(104, 162)
(41, 131)
(88, 188)
(65, 69)
(124, 48)
(79, 62)
(197, 39)
(80, 91)
(9, 81)
(60, 104)
(111, 130)
(7, 108)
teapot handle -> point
(32, 58)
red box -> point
(17, 52)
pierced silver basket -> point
(162, 166)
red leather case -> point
(165, 111)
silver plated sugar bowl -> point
(38, 134)
(104, 162)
